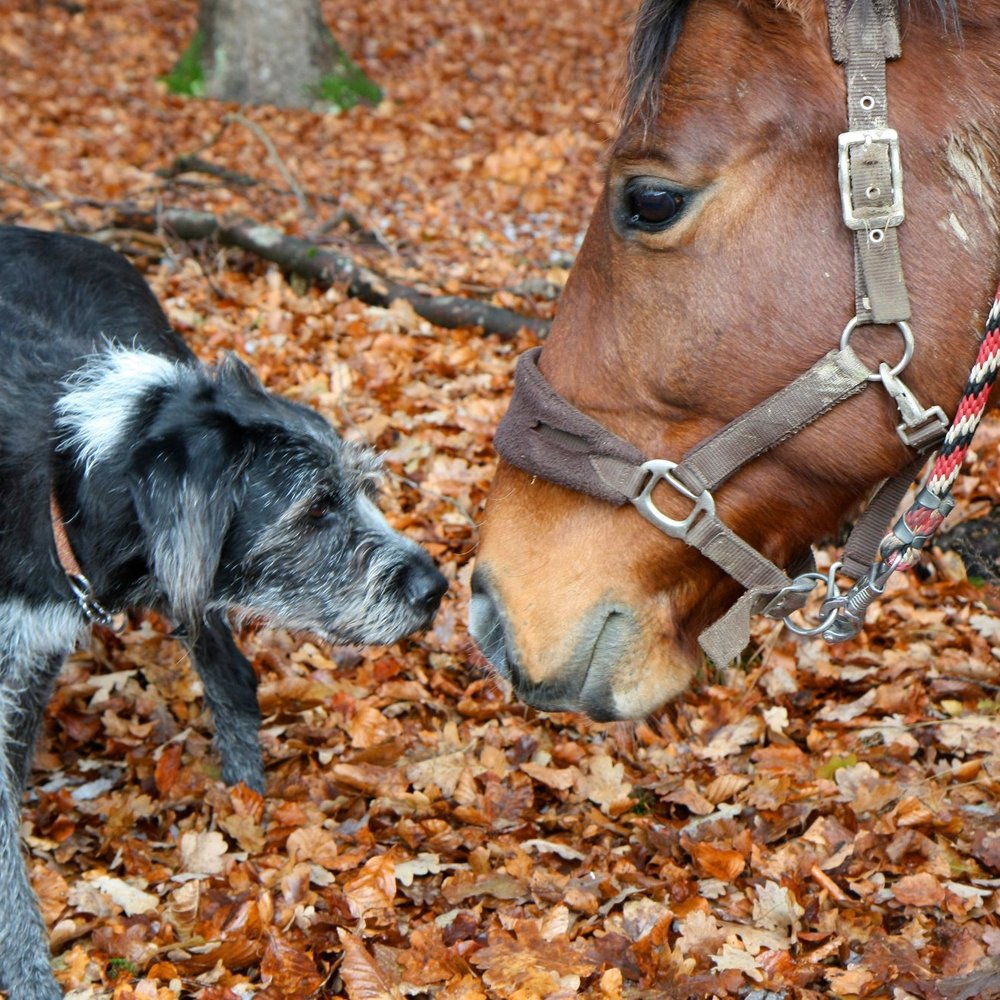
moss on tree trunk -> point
(267, 52)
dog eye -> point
(319, 509)
(651, 205)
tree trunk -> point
(275, 52)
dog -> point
(133, 476)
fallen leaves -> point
(823, 824)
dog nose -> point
(424, 586)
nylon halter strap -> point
(545, 435)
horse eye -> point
(651, 205)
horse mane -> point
(658, 26)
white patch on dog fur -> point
(103, 395)
(28, 630)
(30, 635)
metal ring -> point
(905, 332)
(828, 619)
(829, 609)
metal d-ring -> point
(905, 332)
(832, 594)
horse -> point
(715, 270)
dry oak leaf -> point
(313, 844)
(848, 982)
(370, 779)
(530, 963)
(731, 957)
(428, 959)
(776, 909)
(983, 983)
(731, 739)
(972, 733)
(861, 785)
(373, 888)
(129, 898)
(849, 710)
(700, 933)
(363, 977)
(640, 916)
(203, 852)
(443, 771)
(423, 864)
(468, 987)
(247, 802)
(604, 783)
(181, 909)
(245, 830)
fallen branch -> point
(191, 164)
(322, 265)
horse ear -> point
(184, 488)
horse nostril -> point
(486, 626)
(424, 586)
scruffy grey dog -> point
(130, 475)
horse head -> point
(715, 270)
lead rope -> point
(900, 548)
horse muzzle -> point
(585, 679)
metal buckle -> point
(660, 469)
(872, 217)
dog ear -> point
(186, 471)
(231, 371)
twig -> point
(345, 215)
(54, 203)
(193, 164)
(827, 883)
(300, 196)
(154, 240)
(327, 267)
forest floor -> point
(819, 823)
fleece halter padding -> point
(546, 435)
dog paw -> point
(251, 776)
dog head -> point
(246, 502)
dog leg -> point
(231, 692)
(26, 717)
(25, 971)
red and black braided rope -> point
(971, 408)
(924, 521)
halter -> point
(545, 435)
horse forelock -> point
(658, 26)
